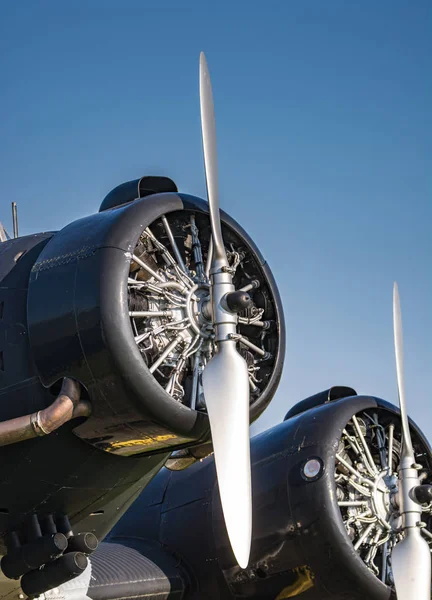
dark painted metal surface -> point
(300, 547)
(335, 393)
(83, 329)
(137, 570)
(57, 473)
(138, 188)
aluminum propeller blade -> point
(226, 389)
(225, 377)
(411, 559)
(398, 341)
(411, 567)
(208, 126)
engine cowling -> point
(82, 304)
(317, 533)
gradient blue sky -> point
(324, 136)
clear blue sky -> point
(324, 134)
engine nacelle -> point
(73, 304)
(80, 326)
(317, 533)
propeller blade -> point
(225, 377)
(208, 126)
(411, 565)
(398, 341)
(411, 558)
(226, 390)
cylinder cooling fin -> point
(119, 301)
(366, 476)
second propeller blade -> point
(226, 390)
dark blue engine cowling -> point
(58, 473)
(79, 326)
(300, 546)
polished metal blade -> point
(208, 126)
(411, 566)
(226, 391)
(411, 558)
(225, 377)
(398, 341)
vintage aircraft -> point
(137, 346)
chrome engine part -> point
(169, 305)
(367, 488)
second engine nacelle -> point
(325, 507)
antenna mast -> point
(15, 219)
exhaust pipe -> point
(65, 407)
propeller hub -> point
(225, 321)
(200, 307)
(380, 498)
(237, 301)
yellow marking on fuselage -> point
(304, 581)
(142, 442)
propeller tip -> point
(243, 563)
